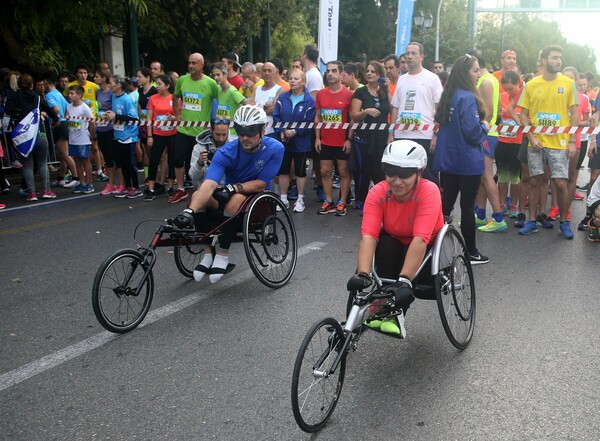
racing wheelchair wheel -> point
(270, 240)
(455, 289)
(316, 388)
(122, 291)
(187, 257)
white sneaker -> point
(299, 206)
(71, 184)
(286, 203)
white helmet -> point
(250, 116)
(405, 154)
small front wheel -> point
(187, 257)
(317, 380)
(122, 291)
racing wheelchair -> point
(123, 287)
(445, 275)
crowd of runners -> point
(95, 127)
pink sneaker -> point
(2, 206)
(48, 194)
(121, 191)
(108, 189)
(31, 197)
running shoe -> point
(170, 192)
(478, 259)
(480, 222)
(78, 189)
(6, 186)
(102, 176)
(582, 187)
(188, 184)
(286, 203)
(58, 183)
(520, 222)
(87, 189)
(149, 195)
(133, 193)
(52, 168)
(16, 164)
(23, 192)
(108, 189)
(340, 209)
(159, 188)
(32, 197)
(292, 193)
(321, 194)
(508, 202)
(578, 196)
(493, 227)
(48, 194)
(72, 184)
(2, 206)
(583, 225)
(554, 213)
(593, 234)
(326, 208)
(299, 206)
(179, 196)
(504, 209)
(529, 228)
(543, 221)
(336, 182)
(513, 212)
(565, 230)
(121, 192)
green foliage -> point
(288, 40)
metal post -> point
(437, 31)
(132, 40)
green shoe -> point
(480, 222)
(390, 326)
(493, 226)
(373, 324)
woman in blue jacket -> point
(295, 106)
(461, 139)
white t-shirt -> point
(415, 98)
(79, 133)
(594, 194)
(314, 79)
(262, 97)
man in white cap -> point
(232, 61)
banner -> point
(25, 134)
(329, 11)
(405, 15)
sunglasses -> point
(218, 121)
(392, 171)
(249, 131)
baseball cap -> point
(233, 57)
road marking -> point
(57, 358)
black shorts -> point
(329, 153)
(594, 206)
(299, 163)
(507, 158)
(61, 131)
(594, 162)
(582, 153)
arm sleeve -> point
(309, 116)
(427, 212)
(373, 213)
(472, 128)
(196, 171)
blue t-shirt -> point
(238, 166)
(55, 98)
(123, 105)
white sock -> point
(284, 198)
(300, 197)
(219, 262)
(207, 261)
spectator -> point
(251, 80)
(232, 61)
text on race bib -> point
(410, 118)
(74, 126)
(331, 115)
(144, 114)
(163, 118)
(223, 110)
(192, 101)
(547, 119)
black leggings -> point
(160, 143)
(467, 186)
(107, 147)
(368, 163)
(184, 145)
(124, 159)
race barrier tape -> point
(501, 129)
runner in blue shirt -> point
(248, 164)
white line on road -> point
(57, 358)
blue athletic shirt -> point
(55, 98)
(239, 166)
(123, 105)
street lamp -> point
(422, 20)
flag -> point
(25, 134)
(405, 15)
(329, 11)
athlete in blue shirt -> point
(248, 164)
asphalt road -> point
(215, 361)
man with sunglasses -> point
(207, 144)
(248, 165)
(402, 216)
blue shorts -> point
(492, 142)
(79, 151)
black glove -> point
(403, 293)
(359, 281)
(227, 191)
(185, 219)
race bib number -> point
(192, 101)
(547, 119)
(163, 128)
(102, 122)
(410, 118)
(223, 110)
(143, 114)
(74, 126)
(508, 122)
(331, 115)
